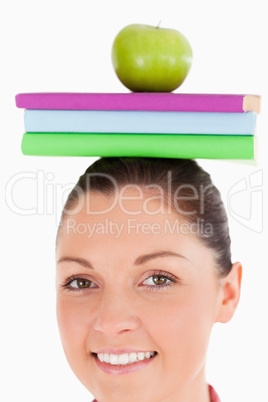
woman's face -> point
(131, 280)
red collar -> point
(214, 397)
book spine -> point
(165, 146)
(140, 122)
(133, 101)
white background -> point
(65, 46)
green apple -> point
(151, 59)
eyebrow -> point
(142, 259)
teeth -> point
(132, 357)
(141, 356)
(122, 359)
(114, 359)
(125, 358)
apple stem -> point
(158, 24)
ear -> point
(230, 293)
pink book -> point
(140, 101)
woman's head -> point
(180, 183)
(144, 265)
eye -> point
(77, 283)
(156, 280)
(81, 283)
(160, 280)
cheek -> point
(73, 321)
(180, 325)
(181, 330)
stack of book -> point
(167, 125)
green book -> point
(186, 146)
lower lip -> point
(108, 368)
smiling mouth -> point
(125, 358)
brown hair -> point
(199, 202)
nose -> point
(116, 314)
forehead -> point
(129, 223)
(128, 201)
